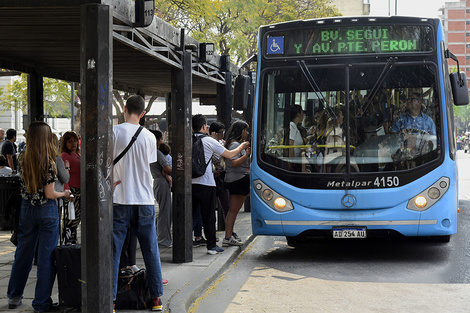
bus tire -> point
(445, 238)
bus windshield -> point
(394, 119)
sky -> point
(421, 8)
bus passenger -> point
(295, 137)
(414, 119)
(334, 133)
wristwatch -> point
(67, 168)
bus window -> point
(394, 122)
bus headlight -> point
(428, 197)
(267, 194)
(272, 198)
(280, 203)
(434, 193)
(420, 202)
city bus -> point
(353, 133)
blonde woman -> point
(39, 219)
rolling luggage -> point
(68, 264)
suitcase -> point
(68, 264)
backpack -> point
(199, 164)
(133, 290)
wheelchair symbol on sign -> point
(274, 46)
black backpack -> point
(198, 157)
(133, 290)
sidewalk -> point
(187, 281)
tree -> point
(233, 24)
(462, 118)
(57, 95)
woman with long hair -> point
(70, 152)
(237, 178)
(39, 219)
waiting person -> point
(133, 198)
(165, 149)
(4, 169)
(39, 222)
(63, 177)
(237, 177)
(203, 187)
(217, 131)
(414, 119)
(161, 173)
(9, 150)
(70, 152)
(2, 138)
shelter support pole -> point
(224, 96)
(96, 76)
(35, 98)
(181, 147)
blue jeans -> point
(142, 220)
(39, 225)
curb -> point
(182, 299)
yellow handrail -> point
(308, 146)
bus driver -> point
(414, 119)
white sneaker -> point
(231, 242)
(215, 250)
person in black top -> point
(9, 150)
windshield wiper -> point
(378, 83)
(308, 75)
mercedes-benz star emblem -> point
(348, 200)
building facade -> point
(456, 22)
(352, 7)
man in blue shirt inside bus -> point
(414, 118)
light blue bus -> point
(353, 133)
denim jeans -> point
(142, 220)
(39, 225)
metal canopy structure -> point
(43, 37)
(93, 42)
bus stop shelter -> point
(95, 43)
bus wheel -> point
(445, 238)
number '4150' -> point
(390, 181)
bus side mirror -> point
(241, 92)
(458, 81)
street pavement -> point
(187, 281)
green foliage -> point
(232, 25)
(462, 117)
(56, 96)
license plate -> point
(356, 232)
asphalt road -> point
(371, 275)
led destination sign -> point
(349, 40)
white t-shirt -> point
(295, 135)
(133, 170)
(211, 146)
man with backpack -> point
(203, 183)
